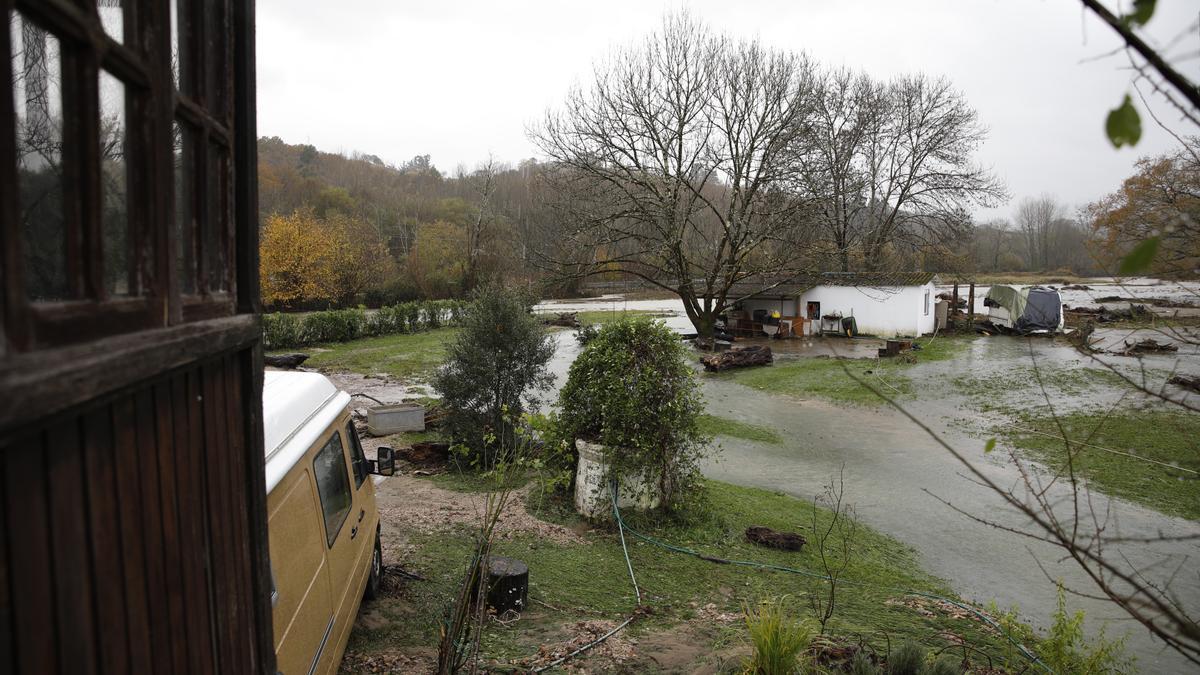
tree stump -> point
(765, 536)
(508, 584)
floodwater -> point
(903, 482)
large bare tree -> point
(674, 164)
(921, 174)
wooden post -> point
(971, 306)
(953, 305)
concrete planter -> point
(592, 495)
(392, 419)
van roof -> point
(297, 408)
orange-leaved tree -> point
(297, 254)
(1159, 203)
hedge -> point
(285, 331)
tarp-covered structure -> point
(1025, 310)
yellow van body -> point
(322, 521)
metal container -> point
(391, 419)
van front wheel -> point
(376, 575)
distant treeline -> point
(344, 231)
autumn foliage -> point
(1161, 200)
(307, 260)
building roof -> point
(765, 289)
(297, 408)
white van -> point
(321, 518)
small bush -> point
(778, 640)
(282, 331)
(494, 369)
(339, 325)
(908, 659)
(1066, 650)
(633, 391)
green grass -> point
(409, 356)
(712, 425)
(590, 579)
(1165, 436)
(1017, 387)
(833, 378)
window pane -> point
(112, 17)
(217, 237)
(357, 459)
(37, 100)
(185, 257)
(333, 485)
(119, 276)
(176, 53)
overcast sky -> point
(461, 79)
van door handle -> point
(361, 513)
(354, 532)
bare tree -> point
(1035, 219)
(921, 175)
(483, 183)
(673, 165)
(835, 542)
(846, 108)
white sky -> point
(458, 79)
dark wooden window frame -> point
(204, 103)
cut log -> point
(287, 361)
(508, 584)
(765, 536)
(737, 357)
(1186, 381)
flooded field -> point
(906, 484)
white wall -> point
(885, 312)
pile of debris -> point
(1109, 315)
(1149, 345)
(737, 357)
(565, 319)
(1075, 287)
(949, 298)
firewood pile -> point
(565, 319)
(737, 357)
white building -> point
(885, 305)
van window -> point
(333, 485)
(357, 459)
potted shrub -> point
(632, 404)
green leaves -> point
(1142, 11)
(991, 445)
(1124, 125)
(1140, 257)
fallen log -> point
(1186, 381)
(737, 357)
(765, 536)
(1148, 345)
(287, 361)
(565, 319)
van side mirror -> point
(385, 464)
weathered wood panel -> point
(132, 517)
